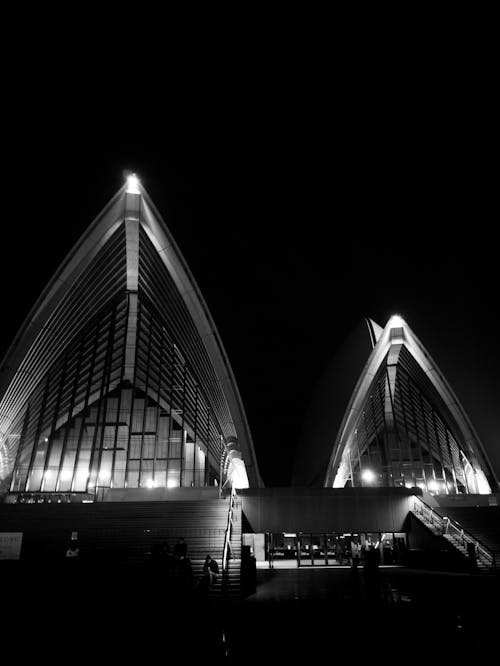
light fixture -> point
(104, 475)
(432, 486)
(150, 483)
(396, 321)
(133, 184)
(368, 476)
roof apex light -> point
(396, 321)
(133, 184)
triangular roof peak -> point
(389, 341)
(129, 216)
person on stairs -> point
(210, 572)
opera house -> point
(121, 423)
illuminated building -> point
(118, 378)
(403, 425)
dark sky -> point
(305, 194)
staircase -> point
(125, 533)
(459, 539)
(232, 585)
(481, 522)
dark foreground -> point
(115, 614)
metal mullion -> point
(403, 409)
(427, 434)
(380, 445)
(195, 437)
(158, 407)
(207, 462)
(419, 443)
(394, 420)
(171, 416)
(356, 439)
(349, 458)
(38, 430)
(118, 410)
(85, 403)
(144, 411)
(436, 432)
(209, 448)
(127, 459)
(367, 433)
(102, 401)
(132, 397)
(450, 453)
(184, 437)
(461, 461)
(467, 484)
(19, 449)
(386, 437)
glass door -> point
(306, 557)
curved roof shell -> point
(127, 249)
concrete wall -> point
(462, 500)
(325, 509)
(159, 494)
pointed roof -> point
(60, 311)
(389, 341)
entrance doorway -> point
(332, 549)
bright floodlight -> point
(150, 483)
(368, 475)
(238, 473)
(133, 184)
(396, 321)
(432, 486)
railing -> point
(447, 526)
(227, 540)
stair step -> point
(126, 531)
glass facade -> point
(86, 425)
(404, 433)
(119, 389)
(308, 549)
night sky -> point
(304, 195)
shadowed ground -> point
(317, 615)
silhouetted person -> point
(355, 554)
(248, 571)
(339, 554)
(210, 572)
(73, 551)
(472, 553)
(72, 560)
(180, 549)
(372, 578)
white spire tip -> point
(133, 184)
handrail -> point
(227, 538)
(444, 524)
